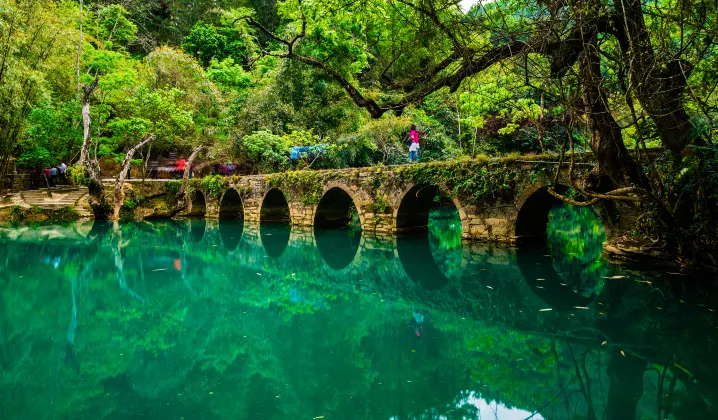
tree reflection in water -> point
(220, 334)
(575, 241)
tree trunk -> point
(119, 194)
(612, 157)
(188, 169)
(87, 132)
(659, 85)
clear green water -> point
(202, 320)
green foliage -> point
(207, 42)
(78, 175)
(129, 204)
(112, 25)
(215, 185)
(307, 186)
(477, 180)
(38, 214)
(690, 188)
(380, 205)
(173, 187)
(228, 74)
(263, 151)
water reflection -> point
(143, 321)
(230, 231)
(338, 247)
(197, 229)
(275, 238)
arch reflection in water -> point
(197, 229)
(274, 228)
(337, 228)
(275, 238)
(338, 247)
(431, 251)
(230, 231)
(566, 268)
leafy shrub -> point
(77, 174)
(263, 152)
(214, 184)
(173, 187)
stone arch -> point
(335, 203)
(198, 207)
(411, 212)
(231, 205)
(275, 207)
(534, 206)
(533, 254)
(411, 209)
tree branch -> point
(119, 194)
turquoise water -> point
(224, 320)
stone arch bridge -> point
(497, 200)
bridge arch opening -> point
(560, 248)
(199, 205)
(433, 254)
(231, 206)
(419, 203)
(274, 228)
(231, 219)
(275, 208)
(337, 228)
(336, 209)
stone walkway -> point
(51, 199)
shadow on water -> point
(230, 231)
(338, 247)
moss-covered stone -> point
(37, 214)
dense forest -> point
(635, 82)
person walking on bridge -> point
(413, 144)
(180, 167)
